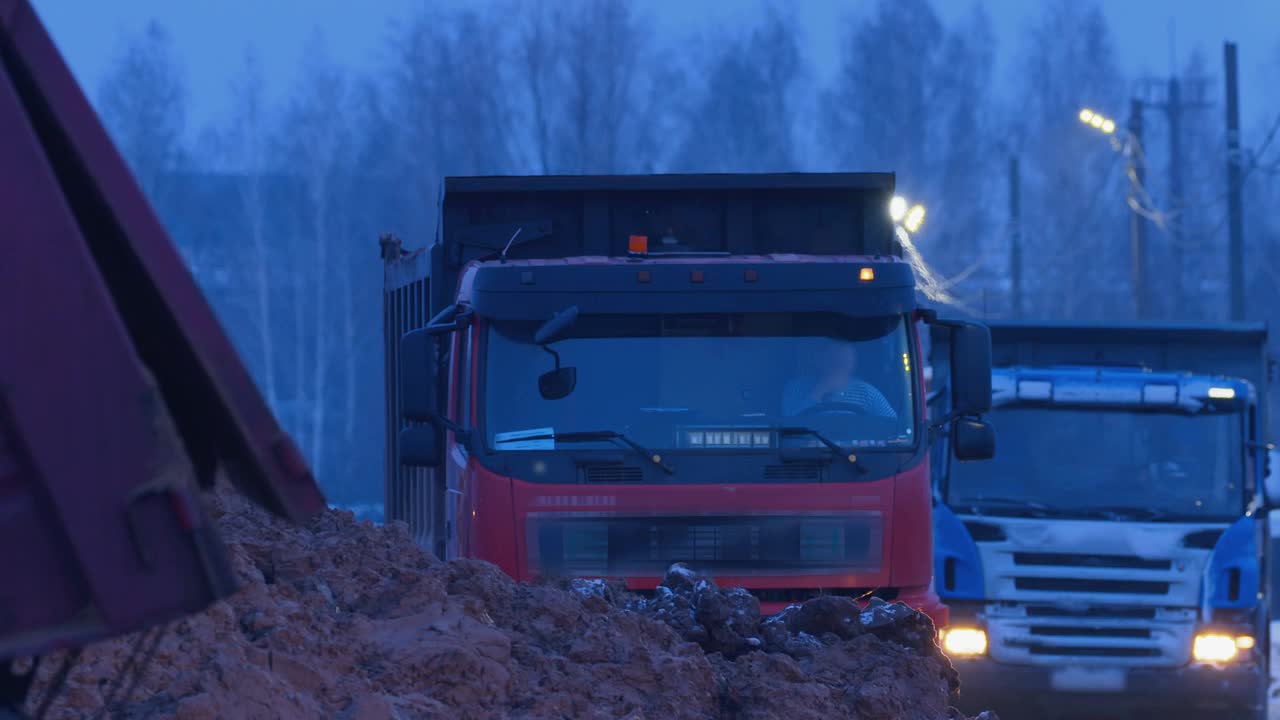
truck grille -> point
(1114, 635)
(1082, 560)
(793, 472)
(611, 473)
(1090, 585)
(749, 545)
(1043, 577)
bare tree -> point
(1073, 180)
(320, 143)
(915, 103)
(587, 74)
(542, 68)
(246, 147)
(142, 101)
(744, 118)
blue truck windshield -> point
(1076, 461)
(704, 382)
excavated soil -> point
(348, 620)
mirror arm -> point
(930, 317)
(450, 319)
(462, 434)
(554, 354)
(940, 425)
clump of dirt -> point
(342, 619)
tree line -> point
(278, 209)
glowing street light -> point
(1097, 121)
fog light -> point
(1214, 648)
(964, 642)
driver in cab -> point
(830, 378)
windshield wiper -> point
(1117, 512)
(831, 444)
(1012, 503)
(604, 435)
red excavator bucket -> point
(120, 394)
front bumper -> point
(1017, 691)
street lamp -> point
(1130, 145)
(1097, 121)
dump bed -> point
(120, 394)
(1231, 349)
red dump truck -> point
(120, 394)
(602, 376)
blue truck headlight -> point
(964, 641)
(1220, 647)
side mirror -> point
(970, 369)
(421, 446)
(418, 376)
(972, 439)
(558, 383)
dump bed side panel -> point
(83, 429)
(117, 387)
(410, 494)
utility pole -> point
(1174, 96)
(1174, 110)
(1235, 208)
(1137, 226)
(1015, 238)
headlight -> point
(1219, 648)
(964, 642)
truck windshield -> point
(704, 382)
(1071, 461)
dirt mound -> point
(348, 620)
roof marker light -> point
(1222, 393)
(1035, 390)
(1160, 394)
(866, 274)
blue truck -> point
(1113, 555)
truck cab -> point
(1113, 553)
(621, 373)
